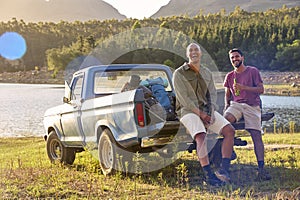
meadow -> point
(282, 89)
(26, 173)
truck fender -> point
(57, 131)
(102, 124)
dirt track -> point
(272, 146)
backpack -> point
(155, 113)
(167, 100)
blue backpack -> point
(157, 86)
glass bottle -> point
(236, 92)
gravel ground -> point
(281, 77)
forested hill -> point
(57, 10)
(196, 7)
(269, 39)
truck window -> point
(77, 88)
(113, 82)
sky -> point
(137, 8)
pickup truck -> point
(96, 115)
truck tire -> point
(107, 153)
(112, 157)
(57, 152)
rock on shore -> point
(281, 78)
(48, 77)
(41, 76)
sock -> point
(261, 164)
(225, 164)
(207, 170)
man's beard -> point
(239, 64)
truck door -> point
(70, 116)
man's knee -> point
(199, 137)
(228, 131)
(255, 134)
(230, 117)
(254, 131)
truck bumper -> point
(161, 141)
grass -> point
(282, 89)
(275, 89)
(270, 138)
(26, 173)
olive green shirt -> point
(194, 90)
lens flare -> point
(12, 45)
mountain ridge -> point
(188, 7)
(57, 10)
(79, 10)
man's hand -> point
(205, 118)
(238, 86)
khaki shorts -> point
(251, 114)
(194, 124)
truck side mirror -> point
(67, 97)
(65, 100)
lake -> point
(23, 106)
(287, 112)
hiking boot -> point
(223, 175)
(233, 155)
(213, 180)
(263, 175)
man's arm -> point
(257, 89)
(227, 97)
(213, 94)
(206, 119)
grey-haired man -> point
(196, 98)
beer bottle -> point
(236, 92)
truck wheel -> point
(57, 152)
(107, 153)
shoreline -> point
(276, 83)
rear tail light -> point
(140, 114)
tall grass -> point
(26, 173)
